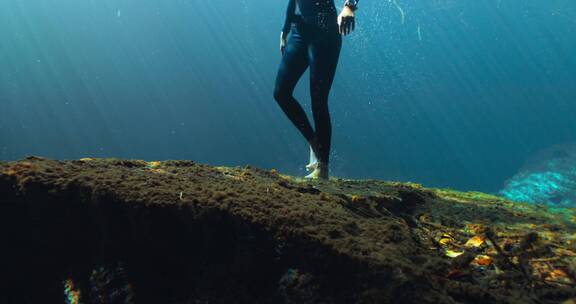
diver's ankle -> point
(323, 171)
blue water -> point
(448, 93)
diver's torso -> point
(317, 14)
(315, 7)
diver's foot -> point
(313, 164)
(320, 172)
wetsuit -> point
(314, 42)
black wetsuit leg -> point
(319, 49)
(294, 63)
(324, 52)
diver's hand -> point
(283, 37)
(346, 21)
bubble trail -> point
(402, 15)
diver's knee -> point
(280, 95)
(320, 104)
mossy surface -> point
(183, 232)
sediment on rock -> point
(130, 231)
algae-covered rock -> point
(548, 178)
(130, 231)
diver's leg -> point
(294, 63)
(324, 55)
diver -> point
(315, 42)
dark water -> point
(448, 93)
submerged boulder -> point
(130, 231)
(549, 177)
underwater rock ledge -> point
(130, 231)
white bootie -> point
(320, 172)
(313, 164)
